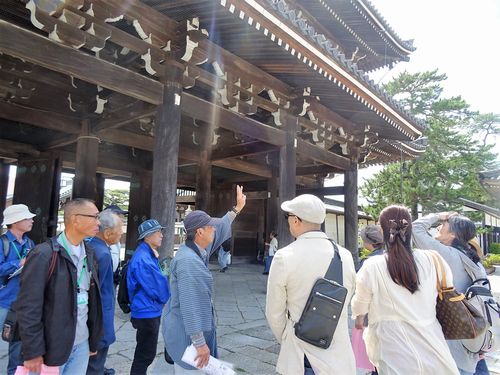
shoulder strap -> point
(334, 271)
(6, 245)
(438, 265)
(52, 265)
(473, 270)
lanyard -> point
(65, 246)
(17, 251)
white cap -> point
(15, 213)
(308, 207)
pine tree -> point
(458, 149)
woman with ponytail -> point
(452, 242)
(398, 292)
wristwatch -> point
(235, 210)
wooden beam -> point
(203, 110)
(39, 50)
(317, 169)
(60, 142)
(329, 190)
(121, 137)
(19, 148)
(44, 119)
(244, 166)
(125, 116)
(108, 165)
(321, 155)
(243, 149)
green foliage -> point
(490, 260)
(457, 150)
(364, 253)
(116, 196)
(494, 248)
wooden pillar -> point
(99, 198)
(351, 210)
(165, 155)
(139, 208)
(87, 149)
(272, 209)
(37, 186)
(287, 173)
(204, 174)
(4, 184)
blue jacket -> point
(147, 286)
(10, 289)
(105, 266)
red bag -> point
(359, 349)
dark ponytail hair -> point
(396, 227)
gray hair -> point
(108, 220)
(372, 234)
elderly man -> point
(14, 247)
(452, 242)
(148, 293)
(115, 248)
(59, 308)
(110, 231)
(294, 271)
(189, 317)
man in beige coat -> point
(294, 270)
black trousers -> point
(96, 362)
(147, 340)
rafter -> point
(243, 149)
(24, 44)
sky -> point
(461, 38)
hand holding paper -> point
(214, 366)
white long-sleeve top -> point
(403, 334)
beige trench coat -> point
(293, 273)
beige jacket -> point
(293, 273)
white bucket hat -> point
(15, 213)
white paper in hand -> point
(214, 367)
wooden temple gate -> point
(201, 94)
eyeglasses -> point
(287, 215)
(95, 217)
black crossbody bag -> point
(321, 314)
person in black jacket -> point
(59, 312)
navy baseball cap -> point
(116, 209)
(198, 219)
(148, 227)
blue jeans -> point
(267, 266)
(14, 347)
(78, 360)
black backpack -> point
(122, 297)
(5, 245)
